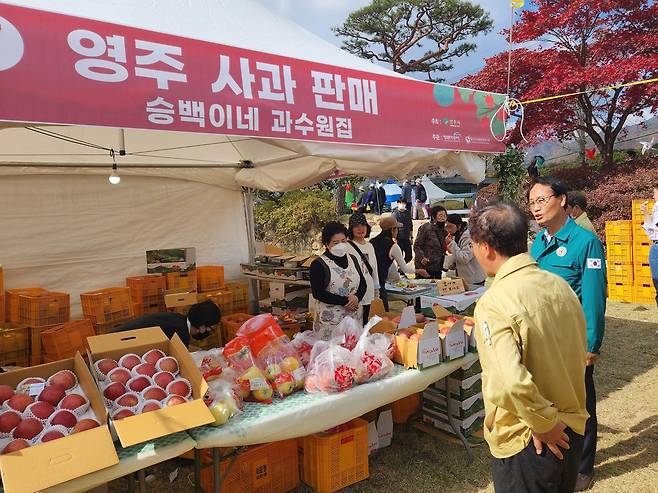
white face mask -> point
(339, 250)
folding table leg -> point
(216, 473)
(141, 474)
(197, 471)
(454, 426)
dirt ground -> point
(627, 460)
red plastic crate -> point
(39, 310)
(107, 305)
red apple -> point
(8, 421)
(52, 435)
(121, 375)
(137, 384)
(168, 363)
(28, 429)
(163, 378)
(85, 424)
(414, 337)
(72, 401)
(179, 387)
(153, 356)
(154, 393)
(63, 417)
(19, 402)
(174, 400)
(64, 378)
(145, 369)
(130, 361)
(405, 333)
(114, 391)
(15, 446)
(123, 413)
(41, 410)
(150, 406)
(6, 392)
(128, 400)
(106, 365)
(52, 394)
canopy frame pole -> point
(250, 221)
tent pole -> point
(248, 200)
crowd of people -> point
(539, 326)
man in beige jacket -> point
(530, 331)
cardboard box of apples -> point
(53, 426)
(150, 385)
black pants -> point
(589, 445)
(366, 313)
(527, 472)
(405, 246)
(384, 297)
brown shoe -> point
(584, 482)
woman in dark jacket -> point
(430, 244)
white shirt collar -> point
(189, 326)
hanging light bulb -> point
(114, 178)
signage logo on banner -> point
(11, 45)
(78, 71)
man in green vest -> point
(576, 208)
(576, 255)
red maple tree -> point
(582, 45)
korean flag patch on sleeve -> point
(594, 263)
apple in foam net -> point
(123, 413)
(153, 356)
(137, 384)
(154, 393)
(151, 406)
(52, 394)
(19, 402)
(121, 375)
(106, 365)
(128, 400)
(64, 378)
(85, 424)
(169, 364)
(72, 401)
(145, 369)
(15, 446)
(51, 435)
(179, 387)
(41, 410)
(174, 400)
(6, 392)
(63, 417)
(163, 378)
(114, 391)
(28, 429)
(8, 421)
(130, 361)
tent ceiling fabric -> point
(279, 165)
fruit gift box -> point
(149, 384)
(53, 426)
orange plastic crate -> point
(209, 277)
(240, 292)
(2, 297)
(147, 292)
(108, 327)
(404, 408)
(14, 345)
(63, 341)
(178, 280)
(12, 312)
(334, 461)
(107, 305)
(270, 468)
(231, 324)
(39, 310)
(223, 299)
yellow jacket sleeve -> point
(515, 390)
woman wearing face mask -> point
(362, 250)
(388, 251)
(430, 244)
(458, 244)
(337, 282)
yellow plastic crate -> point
(637, 204)
(641, 252)
(642, 274)
(644, 293)
(620, 273)
(618, 228)
(621, 292)
(619, 252)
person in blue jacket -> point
(576, 255)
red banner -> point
(66, 70)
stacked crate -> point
(14, 345)
(240, 292)
(107, 308)
(619, 246)
(643, 284)
(147, 293)
(466, 405)
(209, 278)
(2, 297)
(64, 340)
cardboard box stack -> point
(619, 246)
(643, 284)
(466, 405)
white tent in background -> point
(434, 193)
(63, 226)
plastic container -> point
(147, 292)
(223, 299)
(209, 277)
(620, 273)
(14, 345)
(240, 292)
(404, 408)
(178, 280)
(64, 340)
(619, 252)
(644, 293)
(269, 468)
(12, 312)
(642, 273)
(231, 324)
(334, 461)
(621, 292)
(39, 310)
(621, 231)
(107, 305)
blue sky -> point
(319, 16)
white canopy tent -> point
(65, 228)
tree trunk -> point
(582, 139)
(607, 153)
(340, 200)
